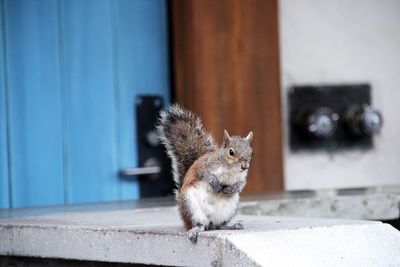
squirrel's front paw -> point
(229, 189)
(233, 188)
(193, 233)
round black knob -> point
(321, 123)
(364, 120)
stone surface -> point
(352, 204)
(156, 237)
(343, 245)
(146, 203)
(364, 203)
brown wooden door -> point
(226, 69)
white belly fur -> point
(209, 207)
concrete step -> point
(156, 236)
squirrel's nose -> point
(245, 166)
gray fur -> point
(219, 187)
(211, 179)
(214, 183)
(233, 188)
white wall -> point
(338, 41)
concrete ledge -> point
(350, 204)
(156, 237)
(362, 203)
(342, 245)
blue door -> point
(69, 73)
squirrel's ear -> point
(227, 138)
(249, 137)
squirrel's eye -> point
(231, 152)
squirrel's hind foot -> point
(236, 226)
(193, 233)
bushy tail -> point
(185, 139)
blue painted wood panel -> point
(70, 73)
(142, 56)
(4, 181)
(89, 101)
(34, 102)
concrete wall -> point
(340, 41)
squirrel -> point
(208, 178)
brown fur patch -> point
(184, 212)
(191, 177)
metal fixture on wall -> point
(320, 123)
(154, 171)
(364, 120)
(330, 117)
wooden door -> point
(226, 69)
